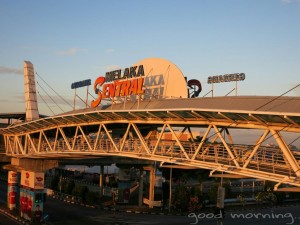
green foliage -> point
(81, 191)
(195, 204)
(268, 186)
(181, 198)
(70, 185)
(242, 198)
(267, 197)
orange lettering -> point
(117, 88)
(140, 86)
(98, 82)
(105, 91)
(118, 85)
(112, 90)
(133, 87)
(125, 88)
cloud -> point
(71, 51)
(25, 47)
(290, 1)
(6, 70)
(109, 50)
(111, 68)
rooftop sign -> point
(121, 86)
(226, 78)
(151, 78)
(80, 84)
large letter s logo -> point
(98, 83)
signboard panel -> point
(33, 180)
(152, 78)
(31, 204)
(12, 178)
(80, 84)
(12, 197)
(226, 78)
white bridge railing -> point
(267, 159)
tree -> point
(70, 185)
(81, 191)
(181, 198)
(266, 197)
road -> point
(62, 213)
(5, 220)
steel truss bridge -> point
(138, 130)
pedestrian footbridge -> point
(187, 133)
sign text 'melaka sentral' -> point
(116, 84)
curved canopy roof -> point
(237, 111)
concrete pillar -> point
(141, 186)
(31, 195)
(151, 188)
(32, 112)
(151, 170)
(12, 190)
(101, 180)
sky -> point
(73, 40)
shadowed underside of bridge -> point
(139, 130)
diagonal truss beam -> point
(49, 145)
(20, 145)
(141, 138)
(31, 142)
(178, 142)
(212, 141)
(98, 136)
(125, 137)
(65, 138)
(85, 138)
(226, 146)
(287, 152)
(110, 138)
(159, 138)
(75, 138)
(202, 141)
(256, 147)
(179, 136)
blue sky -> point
(73, 40)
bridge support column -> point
(151, 170)
(101, 180)
(31, 185)
(152, 182)
(141, 186)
